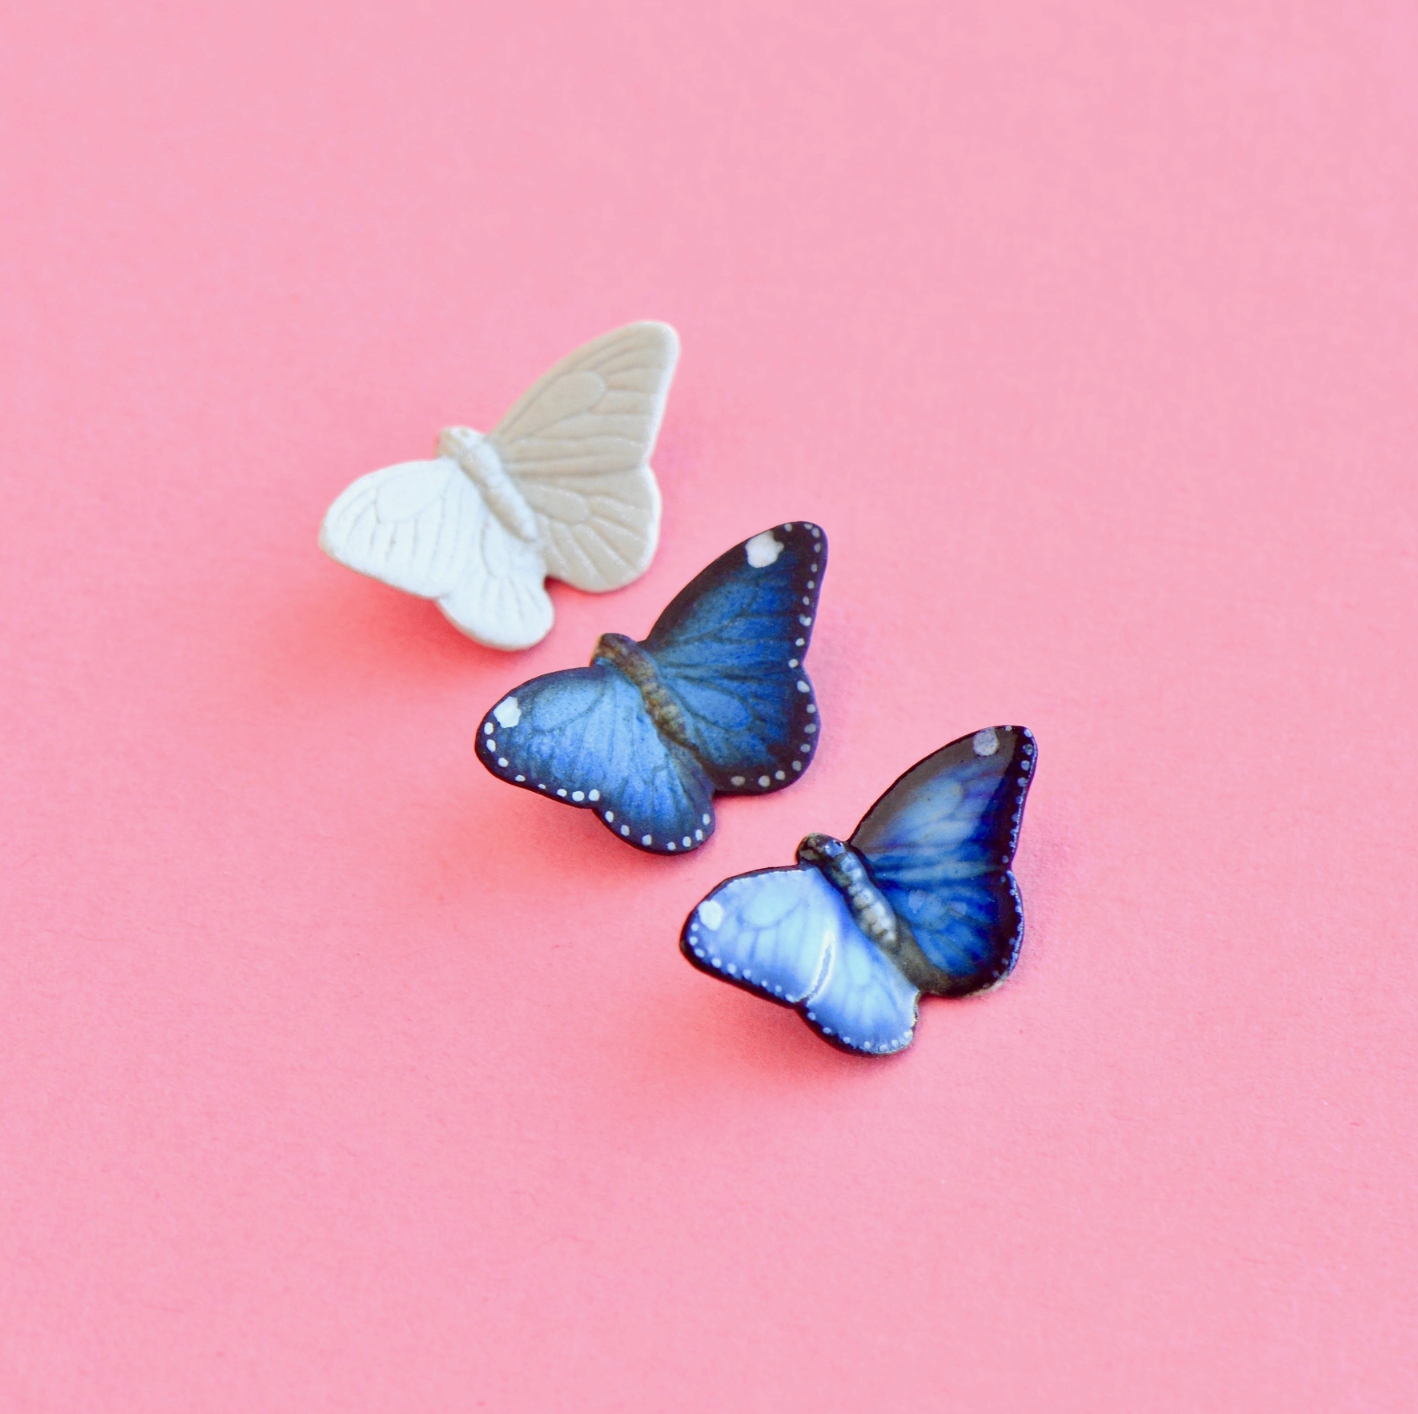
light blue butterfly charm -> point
(716, 700)
(920, 899)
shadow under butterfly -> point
(715, 701)
(920, 900)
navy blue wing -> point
(583, 737)
(786, 935)
(939, 844)
(731, 647)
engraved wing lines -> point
(411, 525)
(576, 448)
(578, 445)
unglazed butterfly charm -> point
(920, 899)
(715, 700)
(562, 487)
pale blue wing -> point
(864, 1003)
(583, 737)
(768, 932)
(939, 844)
(786, 934)
(731, 646)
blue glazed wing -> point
(583, 737)
(864, 1003)
(785, 934)
(731, 645)
(939, 844)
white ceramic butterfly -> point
(562, 487)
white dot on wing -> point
(810, 728)
(593, 795)
(561, 791)
(801, 642)
(647, 839)
(797, 765)
(487, 727)
(501, 760)
(736, 780)
(802, 686)
(704, 819)
(625, 829)
(762, 550)
(610, 816)
(779, 776)
(763, 780)
(685, 841)
(578, 795)
(519, 778)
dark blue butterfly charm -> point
(716, 700)
(920, 899)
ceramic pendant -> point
(920, 899)
(562, 487)
(715, 701)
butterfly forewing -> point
(769, 932)
(731, 646)
(939, 844)
(414, 526)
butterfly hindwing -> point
(939, 844)
(583, 737)
(787, 935)
(731, 647)
(864, 1003)
(500, 598)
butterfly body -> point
(714, 701)
(561, 487)
(476, 457)
(920, 900)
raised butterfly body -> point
(920, 899)
(561, 487)
(715, 700)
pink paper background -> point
(334, 1075)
